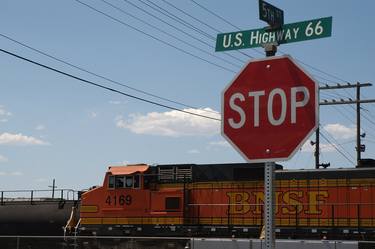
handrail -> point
(32, 195)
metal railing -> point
(32, 196)
(95, 242)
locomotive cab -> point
(130, 200)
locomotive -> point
(226, 200)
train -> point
(226, 200)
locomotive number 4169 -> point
(118, 200)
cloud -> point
(40, 127)
(307, 147)
(339, 131)
(4, 114)
(14, 173)
(114, 102)
(19, 139)
(172, 123)
(93, 114)
(221, 143)
(3, 159)
(193, 151)
(40, 180)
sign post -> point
(268, 111)
(271, 107)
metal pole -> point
(269, 191)
(269, 201)
(317, 148)
(53, 188)
(358, 124)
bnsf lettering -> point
(289, 202)
(118, 200)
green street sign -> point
(292, 32)
(271, 14)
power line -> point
(184, 22)
(231, 24)
(336, 148)
(175, 18)
(154, 37)
(223, 19)
(189, 15)
(104, 87)
(321, 71)
(339, 144)
(169, 34)
(98, 75)
(213, 13)
(179, 29)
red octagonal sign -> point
(270, 109)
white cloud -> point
(307, 147)
(114, 102)
(4, 114)
(19, 139)
(41, 180)
(3, 159)
(172, 123)
(40, 127)
(221, 143)
(339, 131)
(193, 151)
(14, 173)
(93, 114)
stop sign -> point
(270, 109)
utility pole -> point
(360, 147)
(53, 188)
(317, 147)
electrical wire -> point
(189, 24)
(214, 14)
(172, 16)
(169, 34)
(105, 87)
(339, 145)
(179, 29)
(100, 76)
(336, 148)
(154, 37)
(223, 19)
(189, 15)
(304, 63)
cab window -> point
(129, 182)
(111, 182)
(136, 181)
(120, 182)
(124, 181)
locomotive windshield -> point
(121, 181)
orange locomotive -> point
(227, 200)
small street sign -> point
(270, 109)
(271, 14)
(292, 32)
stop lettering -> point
(270, 109)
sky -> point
(55, 127)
